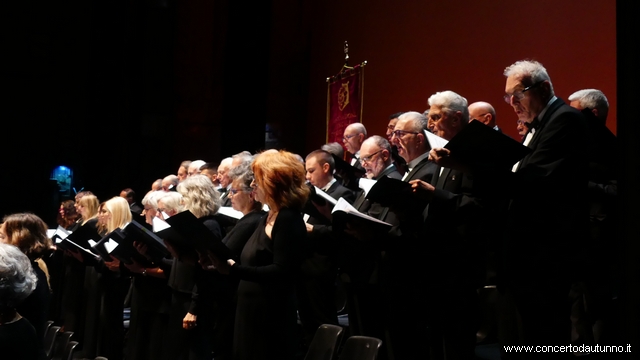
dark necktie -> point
(535, 124)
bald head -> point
(483, 112)
(353, 136)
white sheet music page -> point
(159, 224)
(110, 245)
(435, 141)
(230, 212)
(366, 185)
(325, 196)
(344, 206)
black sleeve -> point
(288, 236)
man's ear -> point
(325, 168)
(385, 155)
(457, 119)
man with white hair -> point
(376, 158)
(223, 177)
(170, 182)
(353, 136)
(194, 167)
(409, 137)
(550, 193)
(591, 99)
(588, 315)
(452, 241)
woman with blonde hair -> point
(266, 321)
(106, 287)
(28, 233)
(87, 207)
(73, 304)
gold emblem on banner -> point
(343, 96)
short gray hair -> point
(152, 197)
(380, 142)
(334, 148)
(358, 127)
(196, 164)
(418, 121)
(450, 102)
(17, 278)
(173, 179)
(246, 159)
(592, 99)
(171, 200)
(244, 156)
(239, 170)
(530, 69)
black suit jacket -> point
(547, 212)
(456, 224)
(319, 238)
(338, 191)
(424, 170)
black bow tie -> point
(535, 124)
(222, 190)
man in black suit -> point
(377, 162)
(453, 233)
(549, 190)
(352, 138)
(408, 136)
(485, 113)
(224, 180)
(316, 288)
(320, 167)
(397, 160)
(592, 305)
(376, 158)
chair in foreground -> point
(49, 340)
(60, 346)
(360, 348)
(325, 343)
(69, 350)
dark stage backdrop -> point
(122, 91)
(416, 48)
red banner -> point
(344, 101)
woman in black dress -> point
(243, 199)
(191, 324)
(150, 296)
(266, 320)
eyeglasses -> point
(368, 158)
(401, 133)
(519, 95)
(235, 191)
(347, 137)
